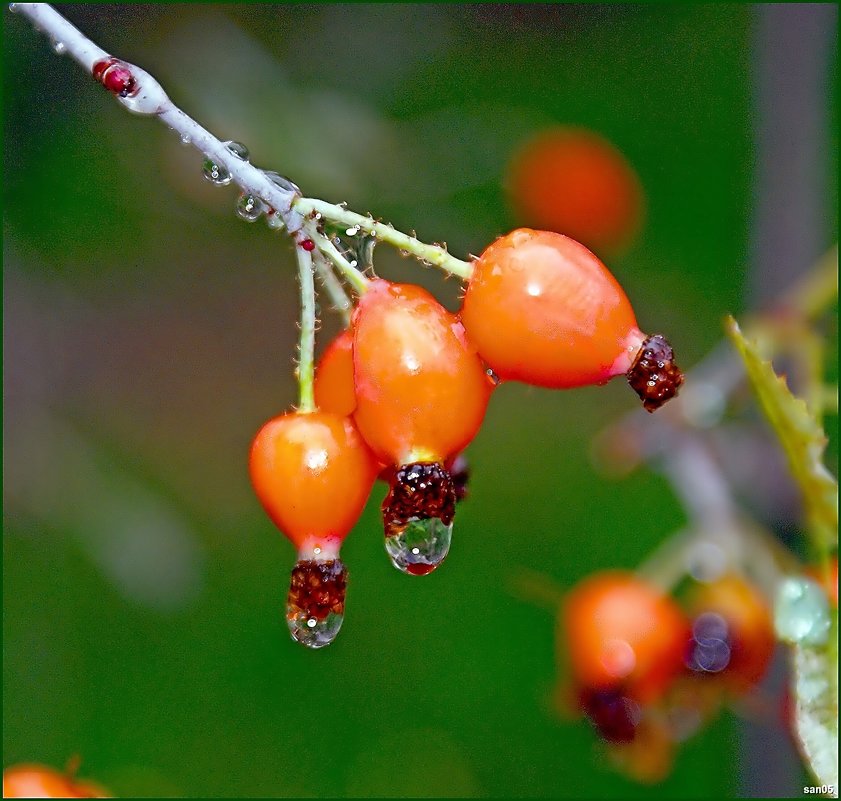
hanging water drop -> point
(249, 207)
(418, 517)
(801, 613)
(215, 173)
(186, 139)
(421, 546)
(353, 230)
(315, 606)
(493, 378)
(59, 48)
(238, 149)
(275, 221)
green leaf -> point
(802, 438)
(815, 684)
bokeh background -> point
(149, 332)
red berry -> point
(334, 390)
(542, 309)
(575, 182)
(40, 781)
(308, 245)
(622, 634)
(313, 474)
(421, 393)
(732, 632)
(421, 389)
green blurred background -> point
(149, 333)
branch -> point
(148, 97)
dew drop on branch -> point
(249, 207)
(238, 149)
(284, 183)
(801, 613)
(215, 173)
(59, 48)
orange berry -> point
(421, 394)
(622, 634)
(313, 474)
(575, 182)
(334, 377)
(542, 309)
(421, 389)
(732, 632)
(40, 781)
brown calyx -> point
(654, 376)
(317, 588)
(418, 491)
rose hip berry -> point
(313, 473)
(624, 635)
(40, 781)
(574, 181)
(334, 390)
(542, 309)
(732, 633)
(421, 394)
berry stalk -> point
(433, 254)
(306, 364)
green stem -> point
(338, 297)
(306, 364)
(432, 254)
(356, 278)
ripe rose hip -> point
(313, 473)
(40, 781)
(574, 181)
(542, 309)
(732, 632)
(421, 394)
(622, 635)
(334, 390)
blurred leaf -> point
(803, 440)
(815, 684)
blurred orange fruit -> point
(573, 181)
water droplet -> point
(352, 231)
(59, 47)
(250, 208)
(315, 606)
(186, 139)
(13, 7)
(313, 632)
(215, 173)
(284, 183)
(421, 546)
(801, 612)
(275, 222)
(494, 379)
(238, 149)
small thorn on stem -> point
(654, 376)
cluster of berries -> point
(648, 670)
(404, 389)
